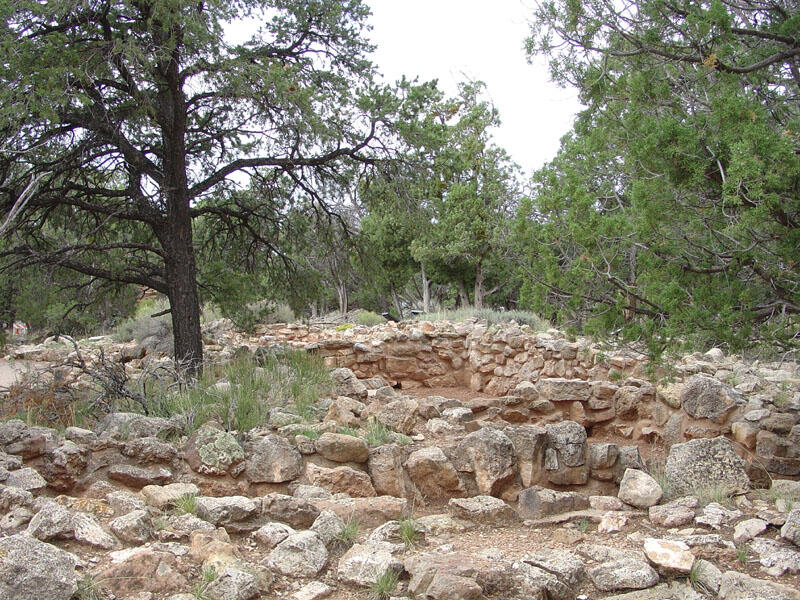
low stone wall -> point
(492, 359)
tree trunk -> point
(479, 289)
(183, 299)
(426, 292)
(341, 289)
(463, 296)
(396, 303)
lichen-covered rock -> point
(135, 528)
(302, 554)
(233, 584)
(273, 460)
(623, 574)
(706, 462)
(704, 397)
(53, 521)
(739, 586)
(127, 426)
(362, 564)
(87, 529)
(228, 509)
(212, 451)
(149, 450)
(328, 526)
(385, 467)
(33, 569)
(63, 465)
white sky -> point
(454, 40)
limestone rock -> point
(362, 564)
(674, 514)
(33, 569)
(623, 574)
(233, 584)
(715, 515)
(163, 496)
(746, 530)
(791, 529)
(53, 521)
(272, 534)
(63, 465)
(385, 467)
(341, 480)
(567, 566)
(26, 479)
(87, 529)
(300, 555)
(639, 489)
(565, 455)
(433, 474)
(483, 509)
(328, 526)
(297, 512)
(537, 502)
(228, 509)
(704, 397)
(342, 448)
(143, 569)
(135, 528)
(138, 477)
(400, 415)
(347, 384)
(672, 556)
(149, 450)
(705, 462)
(739, 586)
(490, 453)
(273, 460)
(127, 426)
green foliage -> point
(408, 532)
(89, 588)
(741, 556)
(186, 504)
(369, 319)
(684, 233)
(347, 536)
(377, 433)
(292, 379)
(583, 525)
(347, 430)
(384, 585)
(344, 326)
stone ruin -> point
(550, 446)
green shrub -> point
(369, 319)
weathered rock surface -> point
(639, 489)
(273, 460)
(705, 462)
(33, 569)
(301, 554)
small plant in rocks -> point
(384, 585)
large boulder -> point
(706, 462)
(212, 451)
(433, 474)
(33, 569)
(385, 467)
(273, 460)
(490, 453)
(704, 397)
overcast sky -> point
(454, 40)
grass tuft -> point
(377, 434)
(348, 535)
(186, 504)
(384, 585)
(408, 532)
